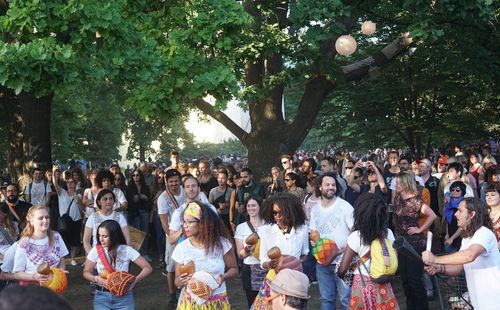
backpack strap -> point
(104, 259)
(251, 227)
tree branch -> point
(222, 118)
(358, 70)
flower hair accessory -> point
(194, 210)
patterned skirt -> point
(215, 302)
(371, 296)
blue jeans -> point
(309, 266)
(160, 234)
(108, 301)
(329, 285)
(141, 222)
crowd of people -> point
(199, 220)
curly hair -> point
(101, 175)
(370, 217)
(210, 230)
(290, 207)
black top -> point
(21, 210)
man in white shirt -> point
(333, 218)
(36, 191)
(168, 202)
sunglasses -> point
(288, 180)
(349, 167)
(455, 189)
(135, 175)
(275, 213)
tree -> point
(253, 50)
(48, 44)
(88, 122)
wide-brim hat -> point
(291, 283)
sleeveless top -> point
(406, 215)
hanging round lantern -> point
(346, 45)
(368, 28)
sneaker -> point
(164, 273)
(146, 257)
(73, 262)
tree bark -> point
(35, 114)
(271, 135)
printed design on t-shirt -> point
(38, 254)
(329, 227)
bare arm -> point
(54, 181)
(146, 270)
(89, 276)
(346, 261)
(380, 178)
(164, 223)
(126, 234)
(231, 267)
(426, 211)
(87, 234)
(174, 236)
(458, 258)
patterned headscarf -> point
(194, 210)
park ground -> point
(152, 293)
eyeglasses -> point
(457, 189)
(189, 223)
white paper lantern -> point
(368, 28)
(346, 45)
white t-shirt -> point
(177, 220)
(483, 274)
(166, 206)
(333, 222)
(37, 192)
(8, 258)
(64, 203)
(90, 196)
(242, 232)
(354, 242)
(119, 199)
(213, 264)
(124, 255)
(95, 219)
(31, 253)
(469, 192)
(418, 178)
(296, 243)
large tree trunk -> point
(142, 153)
(35, 113)
(15, 156)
